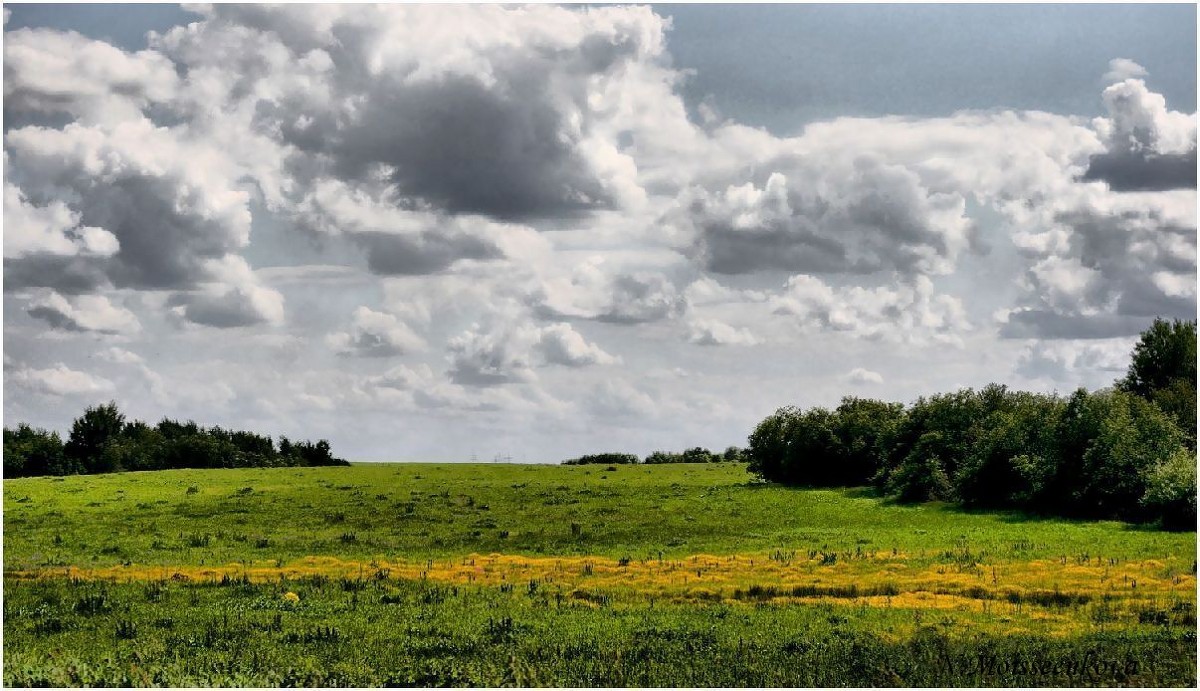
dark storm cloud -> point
(499, 128)
(1045, 324)
(66, 274)
(814, 216)
(467, 148)
(391, 254)
(169, 224)
(1142, 172)
(229, 310)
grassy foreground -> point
(499, 574)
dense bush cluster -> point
(603, 459)
(103, 441)
(1127, 452)
(696, 454)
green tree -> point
(91, 433)
(29, 451)
(1133, 438)
(1162, 369)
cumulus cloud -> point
(848, 216)
(906, 313)
(1148, 146)
(502, 354)
(376, 334)
(560, 344)
(711, 332)
(234, 299)
(1120, 69)
(1076, 362)
(57, 381)
(858, 375)
(597, 291)
(52, 229)
(48, 72)
(152, 210)
(507, 115)
(84, 313)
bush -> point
(1171, 492)
(603, 459)
(697, 454)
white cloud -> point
(710, 332)
(376, 334)
(86, 313)
(906, 313)
(560, 344)
(858, 375)
(58, 381)
(1120, 69)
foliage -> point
(1091, 455)
(696, 454)
(29, 451)
(102, 441)
(1171, 492)
(1163, 370)
(603, 459)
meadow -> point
(486, 574)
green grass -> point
(639, 624)
(376, 633)
(418, 511)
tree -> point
(767, 446)
(1163, 370)
(29, 451)
(1164, 353)
(91, 433)
(1133, 438)
(866, 430)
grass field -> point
(586, 575)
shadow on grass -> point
(1004, 515)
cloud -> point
(84, 313)
(121, 356)
(858, 375)
(58, 381)
(1120, 69)
(158, 208)
(906, 313)
(560, 344)
(49, 72)
(1148, 146)
(488, 358)
(491, 118)
(711, 332)
(49, 230)
(503, 354)
(837, 215)
(1070, 361)
(234, 299)
(376, 334)
(599, 292)
(1118, 261)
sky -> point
(462, 232)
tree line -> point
(1126, 452)
(103, 441)
(697, 454)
